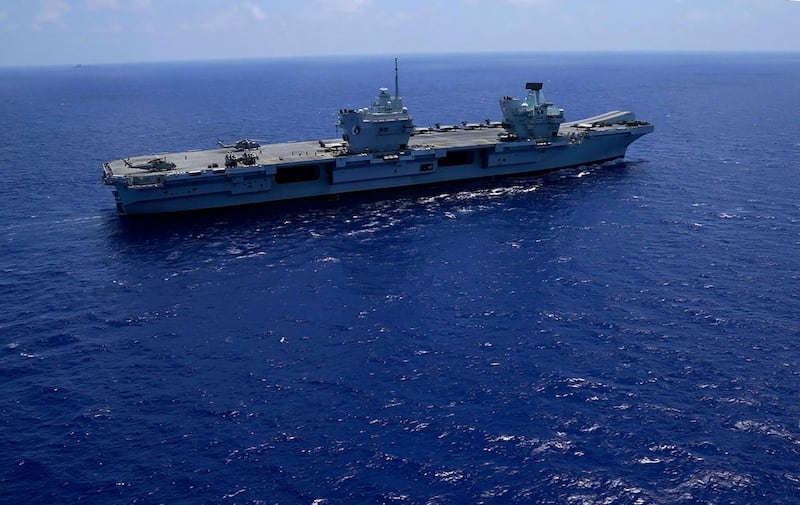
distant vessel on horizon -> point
(380, 148)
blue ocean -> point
(617, 334)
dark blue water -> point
(625, 334)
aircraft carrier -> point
(380, 148)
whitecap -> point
(648, 461)
(450, 476)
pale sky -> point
(44, 32)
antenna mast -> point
(396, 85)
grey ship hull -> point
(288, 171)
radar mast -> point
(396, 80)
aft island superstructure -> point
(380, 148)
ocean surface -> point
(624, 334)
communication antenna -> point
(396, 80)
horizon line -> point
(654, 52)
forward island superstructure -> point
(380, 148)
